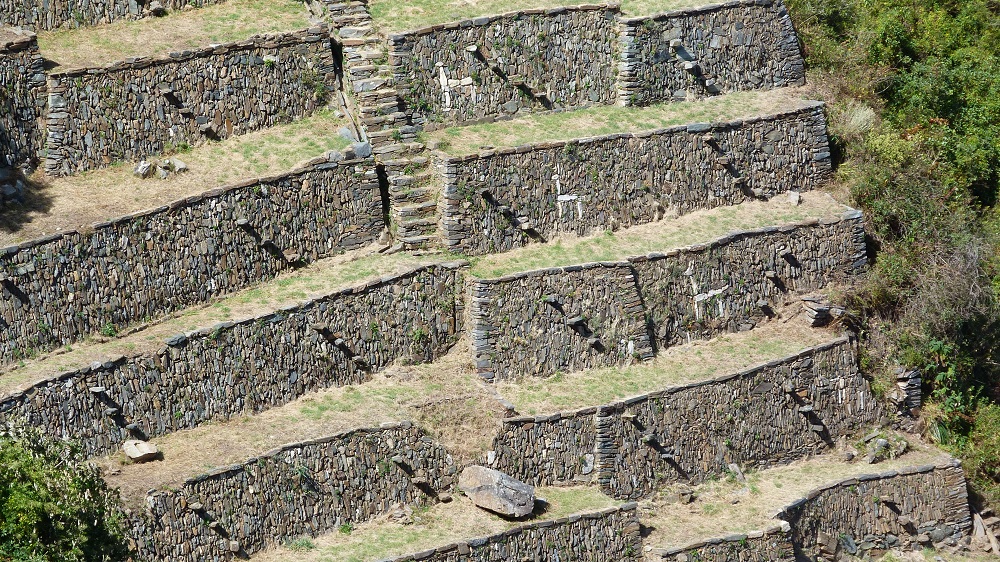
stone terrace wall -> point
(567, 55)
(773, 414)
(740, 45)
(501, 199)
(22, 98)
(559, 319)
(604, 314)
(549, 449)
(609, 535)
(53, 14)
(246, 367)
(302, 489)
(140, 107)
(61, 288)
(747, 418)
(732, 283)
(878, 511)
(770, 545)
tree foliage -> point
(914, 92)
(53, 505)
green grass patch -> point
(606, 120)
(697, 227)
(234, 20)
(675, 366)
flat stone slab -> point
(495, 491)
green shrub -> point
(53, 505)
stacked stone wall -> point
(605, 314)
(503, 199)
(771, 415)
(53, 14)
(502, 65)
(716, 49)
(547, 449)
(880, 511)
(609, 535)
(559, 319)
(246, 367)
(302, 489)
(770, 545)
(761, 417)
(735, 282)
(61, 288)
(141, 107)
(22, 99)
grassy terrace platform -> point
(443, 398)
(605, 120)
(728, 507)
(233, 20)
(678, 365)
(432, 527)
(58, 204)
(696, 227)
(393, 16)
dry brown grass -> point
(320, 278)
(696, 227)
(432, 527)
(726, 506)
(60, 204)
(466, 425)
(683, 364)
(394, 16)
(605, 120)
(233, 20)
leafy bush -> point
(914, 95)
(54, 506)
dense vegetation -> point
(914, 92)
(53, 506)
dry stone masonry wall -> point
(770, 545)
(760, 417)
(605, 314)
(771, 415)
(722, 48)
(142, 107)
(735, 282)
(53, 14)
(503, 199)
(302, 489)
(560, 319)
(250, 366)
(22, 100)
(501, 65)
(58, 289)
(926, 504)
(609, 535)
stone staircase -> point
(404, 170)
